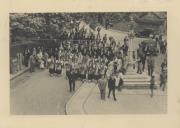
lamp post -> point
(131, 47)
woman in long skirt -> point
(52, 66)
(58, 68)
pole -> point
(131, 48)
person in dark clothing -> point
(68, 68)
(32, 63)
(115, 67)
(105, 39)
(143, 59)
(141, 54)
(151, 64)
(125, 49)
(152, 83)
(148, 52)
(164, 48)
(164, 65)
(161, 44)
(163, 75)
(139, 58)
(26, 57)
(163, 80)
(139, 68)
(107, 23)
(111, 86)
(72, 80)
(52, 66)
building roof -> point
(154, 15)
(155, 18)
(161, 15)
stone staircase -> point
(137, 81)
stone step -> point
(137, 83)
(138, 87)
(131, 73)
(137, 76)
(136, 80)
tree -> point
(24, 26)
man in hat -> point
(163, 75)
(72, 80)
(107, 23)
(111, 86)
(32, 62)
(102, 83)
(105, 38)
(98, 34)
(125, 48)
(164, 65)
(139, 69)
(151, 64)
(141, 58)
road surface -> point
(39, 94)
(128, 102)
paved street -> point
(136, 101)
(128, 102)
(38, 93)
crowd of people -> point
(89, 58)
(85, 58)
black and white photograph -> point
(86, 63)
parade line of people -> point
(103, 61)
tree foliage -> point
(38, 25)
(24, 26)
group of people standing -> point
(145, 54)
(90, 58)
(38, 58)
(89, 63)
(114, 82)
(85, 58)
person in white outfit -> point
(121, 81)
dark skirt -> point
(67, 73)
(121, 82)
(93, 76)
(97, 77)
(58, 71)
(51, 71)
(83, 76)
(151, 87)
(90, 76)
